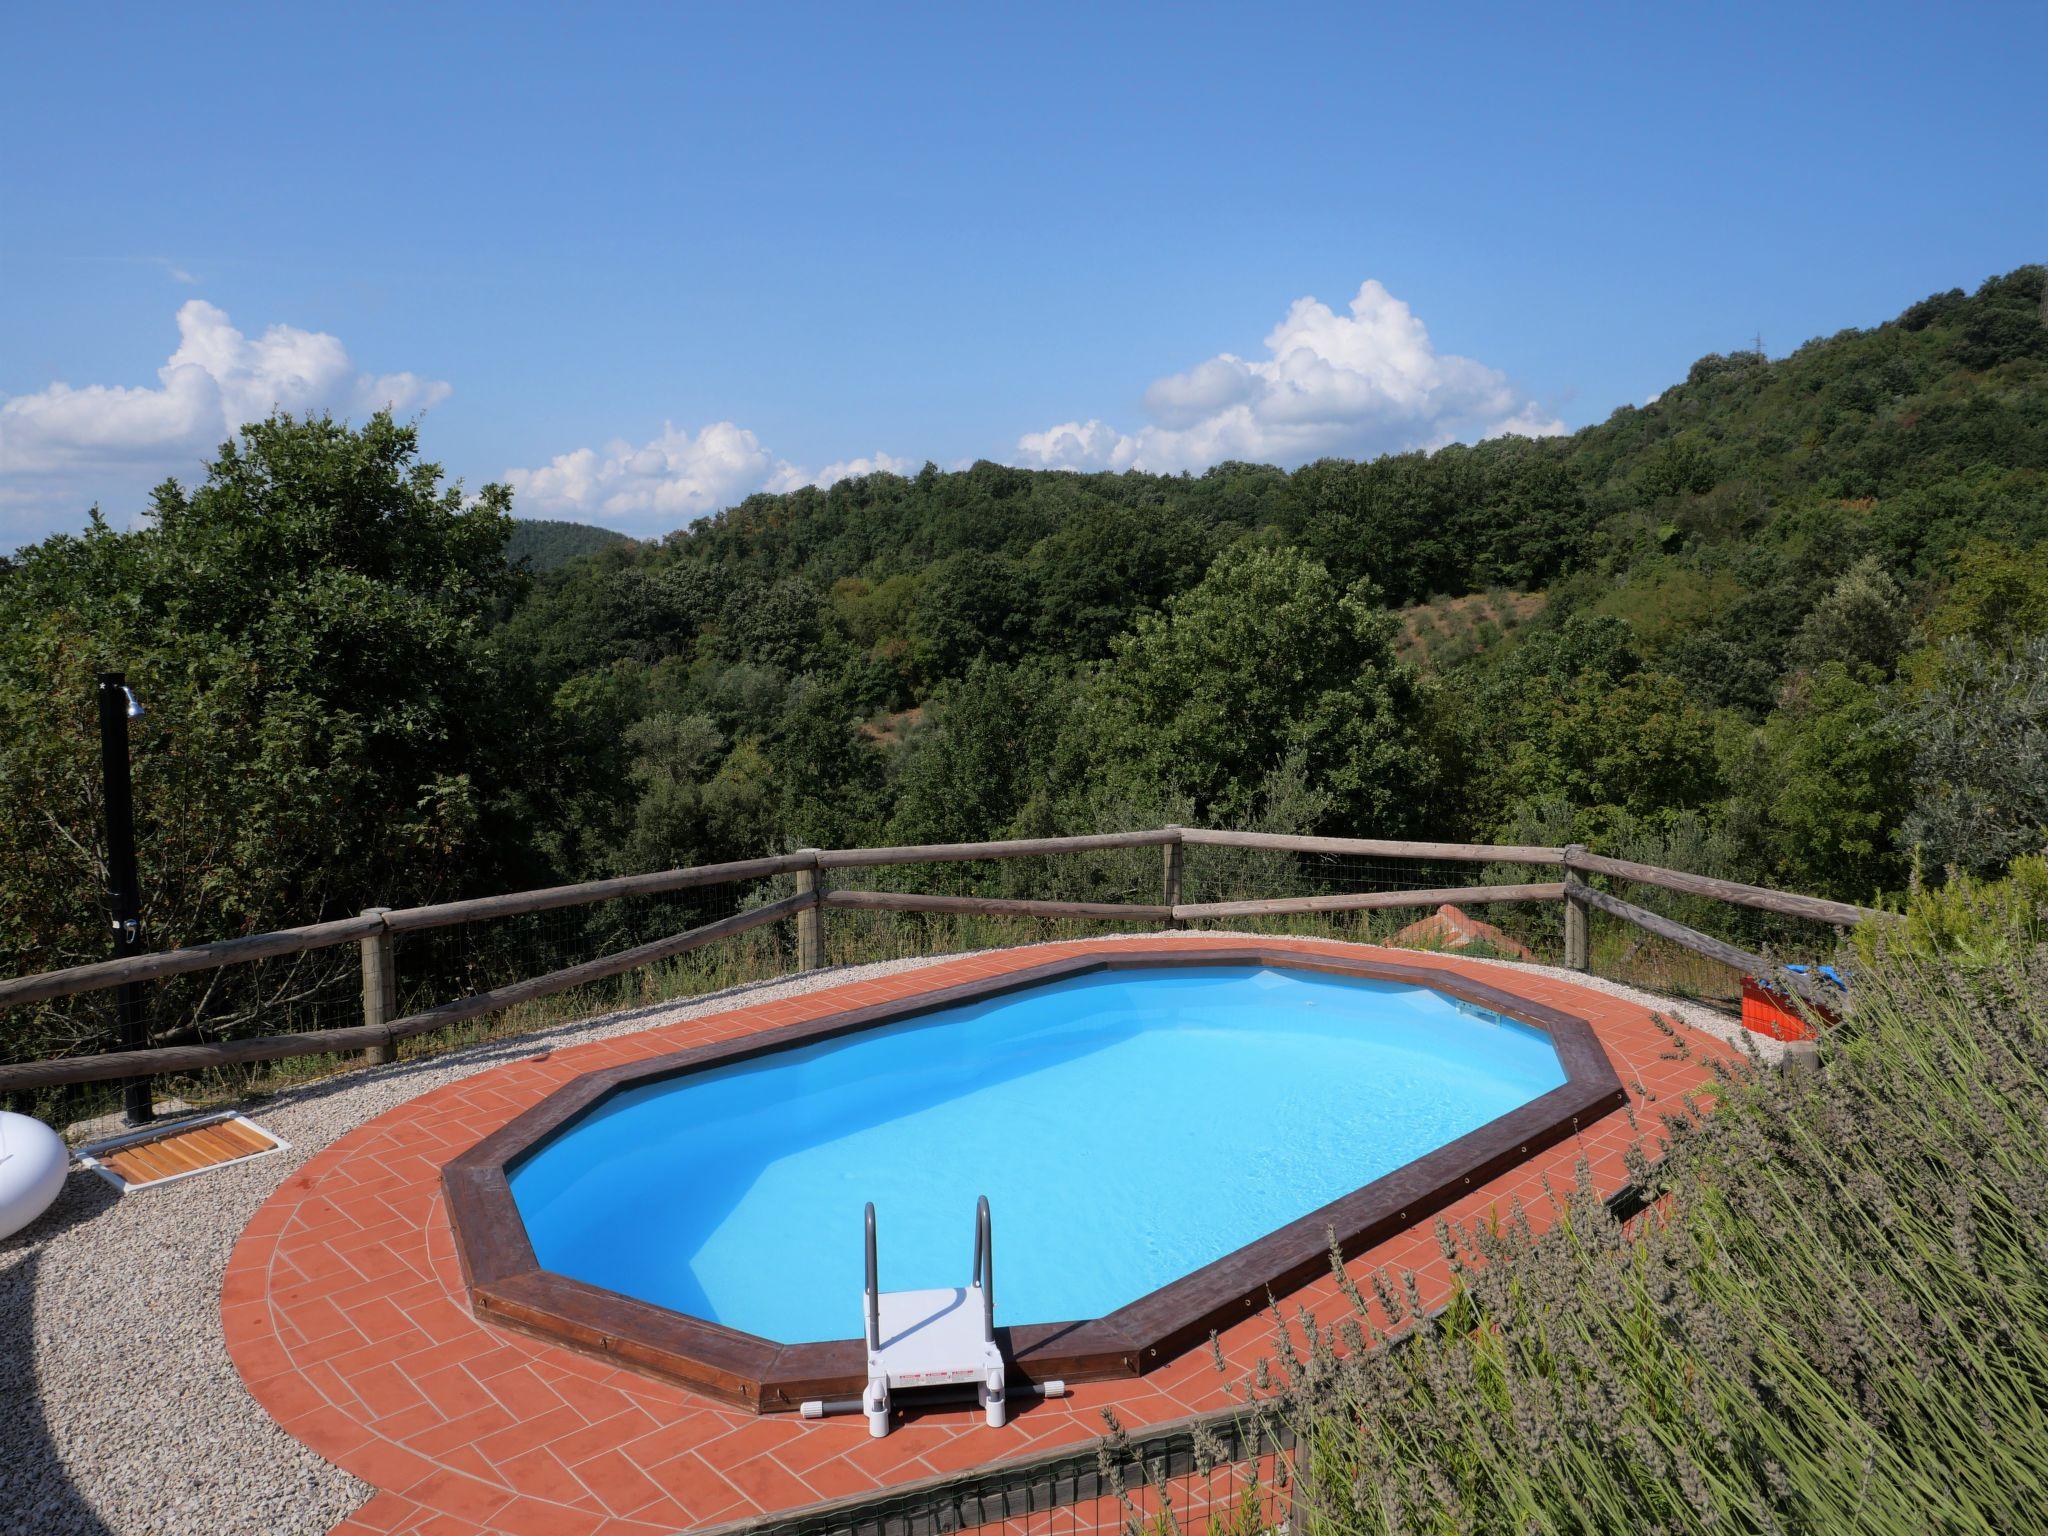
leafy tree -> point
(1980, 759)
(778, 624)
(970, 606)
(1505, 512)
(1267, 657)
(2007, 322)
(587, 744)
(1642, 744)
(827, 776)
(629, 613)
(744, 697)
(876, 617)
(875, 613)
(1998, 597)
(1725, 670)
(1681, 465)
(683, 816)
(1093, 575)
(1832, 768)
(1576, 716)
(327, 722)
(1861, 622)
(984, 753)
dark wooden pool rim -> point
(508, 1286)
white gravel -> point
(122, 1411)
(1708, 1021)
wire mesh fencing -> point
(436, 966)
(284, 994)
(1213, 1477)
(1119, 876)
(444, 964)
(1526, 929)
(321, 990)
(1621, 951)
(318, 990)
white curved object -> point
(33, 1162)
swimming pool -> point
(1129, 1126)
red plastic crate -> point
(1770, 1012)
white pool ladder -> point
(944, 1339)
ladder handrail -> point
(984, 1275)
(874, 1288)
(985, 1267)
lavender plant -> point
(1833, 1317)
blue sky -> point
(647, 260)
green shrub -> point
(1971, 921)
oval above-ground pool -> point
(1165, 1140)
(1128, 1127)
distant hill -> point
(1907, 439)
(545, 544)
(1705, 520)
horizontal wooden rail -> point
(1653, 922)
(1840, 913)
(1375, 848)
(519, 903)
(1372, 901)
(199, 957)
(102, 974)
(113, 1065)
(997, 906)
(361, 1037)
(176, 962)
(500, 998)
(1016, 848)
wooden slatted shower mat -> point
(158, 1156)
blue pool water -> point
(1128, 1127)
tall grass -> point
(1834, 1317)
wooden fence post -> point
(380, 987)
(1577, 936)
(1172, 854)
(810, 922)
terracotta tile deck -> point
(344, 1311)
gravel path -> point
(122, 1410)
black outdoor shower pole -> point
(124, 891)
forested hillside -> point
(1784, 623)
(1788, 607)
(543, 544)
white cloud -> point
(672, 479)
(64, 447)
(1074, 445)
(675, 477)
(1360, 384)
(866, 464)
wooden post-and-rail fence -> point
(375, 930)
